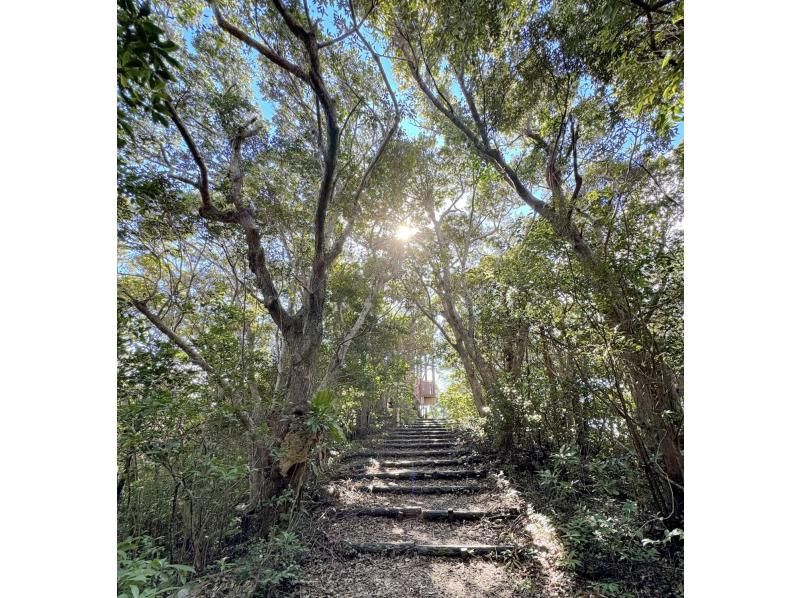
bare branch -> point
(339, 356)
(195, 357)
(651, 7)
(202, 184)
(241, 215)
(350, 31)
(575, 172)
(389, 133)
(262, 49)
(476, 117)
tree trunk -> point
(650, 388)
(290, 438)
(472, 379)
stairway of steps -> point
(420, 513)
(421, 490)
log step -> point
(415, 444)
(416, 474)
(424, 436)
(462, 550)
(441, 452)
(415, 441)
(396, 452)
(423, 432)
(431, 441)
(421, 439)
(424, 489)
(415, 437)
(425, 462)
(410, 463)
(430, 514)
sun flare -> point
(405, 232)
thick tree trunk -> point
(289, 438)
(123, 479)
(266, 482)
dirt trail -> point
(420, 514)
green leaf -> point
(337, 433)
(322, 402)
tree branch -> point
(395, 123)
(651, 7)
(202, 184)
(262, 49)
(576, 174)
(350, 31)
(195, 357)
(337, 361)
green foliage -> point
(322, 418)
(181, 470)
(143, 65)
(271, 562)
(142, 573)
(606, 535)
(595, 539)
(458, 402)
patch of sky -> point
(586, 87)
(266, 106)
(677, 139)
(521, 211)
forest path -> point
(418, 513)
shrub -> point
(142, 573)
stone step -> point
(446, 550)
(430, 514)
(393, 444)
(408, 452)
(416, 489)
(425, 462)
(417, 474)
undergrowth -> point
(614, 544)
